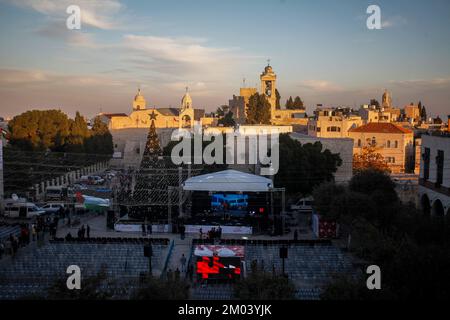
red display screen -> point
(219, 268)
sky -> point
(320, 50)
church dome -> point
(139, 102)
(186, 101)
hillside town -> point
(236, 193)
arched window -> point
(388, 143)
(396, 144)
(374, 141)
(359, 143)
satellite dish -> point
(14, 197)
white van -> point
(58, 193)
(303, 205)
(23, 210)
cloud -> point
(96, 14)
(187, 53)
(437, 83)
(23, 79)
(320, 86)
(78, 38)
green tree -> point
(152, 146)
(302, 167)
(298, 103)
(374, 102)
(278, 105)
(100, 140)
(369, 158)
(39, 130)
(290, 103)
(258, 110)
(79, 132)
(423, 113)
(227, 120)
(220, 112)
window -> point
(318, 129)
(388, 144)
(374, 141)
(426, 164)
(390, 159)
(440, 167)
(359, 143)
(333, 129)
(396, 144)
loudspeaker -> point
(148, 251)
(283, 253)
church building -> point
(183, 117)
(268, 79)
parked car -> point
(52, 207)
(79, 187)
(23, 210)
(96, 180)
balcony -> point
(433, 186)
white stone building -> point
(434, 181)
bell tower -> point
(268, 86)
(139, 102)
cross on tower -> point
(268, 62)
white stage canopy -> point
(228, 181)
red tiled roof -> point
(380, 127)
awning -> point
(228, 181)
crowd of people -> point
(213, 233)
(28, 233)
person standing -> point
(169, 275)
(183, 263)
(33, 232)
(83, 231)
(201, 233)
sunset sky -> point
(320, 50)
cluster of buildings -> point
(410, 145)
(394, 131)
(416, 150)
